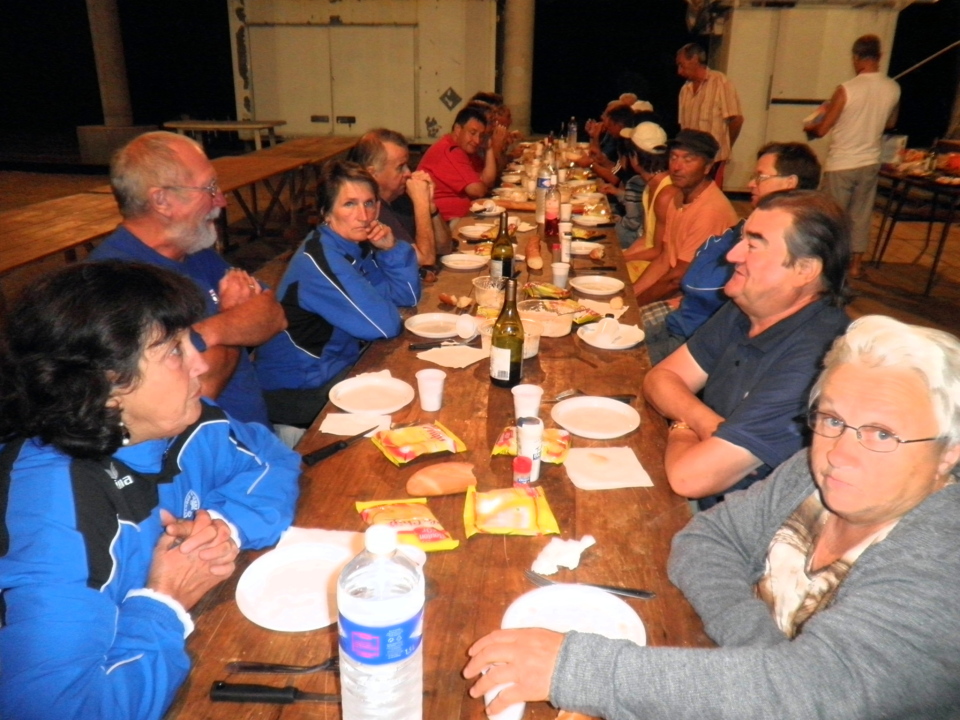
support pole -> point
(518, 61)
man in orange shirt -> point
(701, 210)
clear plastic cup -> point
(486, 335)
(532, 330)
(489, 291)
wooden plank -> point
(469, 588)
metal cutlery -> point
(331, 664)
(624, 398)
(326, 451)
(222, 691)
(443, 343)
(542, 581)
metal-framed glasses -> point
(873, 438)
(211, 188)
(760, 177)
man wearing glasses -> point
(735, 390)
(667, 324)
(167, 193)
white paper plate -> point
(473, 231)
(596, 284)
(436, 326)
(591, 220)
(293, 589)
(371, 394)
(583, 247)
(596, 418)
(587, 197)
(564, 607)
(497, 210)
(628, 336)
(510, 177)
(464, 261)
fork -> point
(331, 663)
(542, 581)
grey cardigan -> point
(889, 646)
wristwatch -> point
(679, 425)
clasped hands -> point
(191, 557)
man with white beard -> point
(167, 192)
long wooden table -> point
(62, 225)
(198, 127)
(468, 589)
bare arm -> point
(734, 126)
(665, 286)
(892, 120)
(421, 196)
(697, 464)
(832, 112)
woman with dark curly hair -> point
(124, 498)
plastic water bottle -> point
(543, 184)
(380, 601)
(572, 133)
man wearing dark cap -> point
(701, 210)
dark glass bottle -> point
(506, 344)
(501, 254)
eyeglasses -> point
(870, 436)
(211, 188)
(760, 177)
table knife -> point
(600, 267)
(222, 691)
(311, 459)
(441, 343)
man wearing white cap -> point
(647, 138)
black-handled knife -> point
(222, 691)
(311, 459)
(472, 342)
(600, 267)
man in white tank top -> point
(859, 112)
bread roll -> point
(442, 479)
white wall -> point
(385, 62)
(799, 53)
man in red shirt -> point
(460, 173)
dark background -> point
(179, 62)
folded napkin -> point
(602, 308)
(605, 468)
(378, 373)
(353, 423)
(561, 553)
(525, 226)
(453, 356)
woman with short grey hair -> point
(830, 587)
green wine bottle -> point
(501, 254)
(506, 344)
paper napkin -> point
(353, 423)
(602, 308)
(453, 356)
(605, 468)
(561, 553)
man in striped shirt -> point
(708, 102)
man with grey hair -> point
(735, 389)
(859, 112)
(406, 198)
(708, 102)
(167, 192)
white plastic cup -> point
(526, 400)
(512, 712)
(486, 336)
(430, 387)
(566, 211)
(532, 330)
(561, 174)
(561, 272)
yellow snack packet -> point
(545, 290)
(554, 447)
(508, 511)
(405, 444)
(414, 522)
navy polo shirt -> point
(760, 385)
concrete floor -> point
(894, 289)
